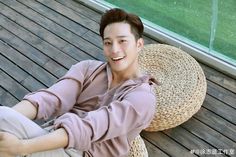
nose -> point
(115, 48)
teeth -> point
(117, 58)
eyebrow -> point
(120, 36)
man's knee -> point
(8, 115)
(5, 111)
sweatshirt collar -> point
(145, 78)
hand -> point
(5, 155)
(10, 145)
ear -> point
(140, 44)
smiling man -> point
(121, 49)
(99, 107)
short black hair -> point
(118, 15)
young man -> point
(99, 108)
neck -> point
(121, 76)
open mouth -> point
(117, 58)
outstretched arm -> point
(26, 108)
(57, 99)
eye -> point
(107, 43)
(123, 41)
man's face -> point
(120, 47)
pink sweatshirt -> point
(99, 120)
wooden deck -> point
(40, 40)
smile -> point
(117, 58)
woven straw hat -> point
(182, 87)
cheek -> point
(106, 51)
(125, 46)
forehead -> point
(117, 30)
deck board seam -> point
(81, 36)
(39, 36)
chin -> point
(118, 69)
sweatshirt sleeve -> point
(135, 111)
(61, 96)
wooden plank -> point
(6, 98)
(220, 109)
(221, 94)
(81, 9)
(22, 46)
(36, 42)
(72, 26)
(186, 139)
(43, 35)
(54, 28)
(32, 84)
(208, 134)
(54, 16)
(56, 69)
(8, 11)
(38, 72)
(12, 86)
(72, 50)
(83, 20)
(94, 38)
(217, 123)
(32, 53)
(219, 78)
(4, 33)
(19, 75)
(82, 55)
(154, 151)
(166, 144)
(12, 69)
